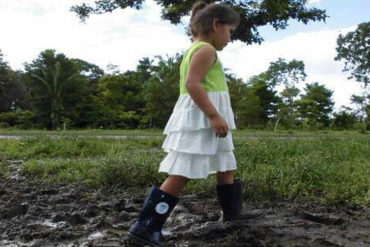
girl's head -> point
(214, 22)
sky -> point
(122, 38)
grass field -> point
(331, 167)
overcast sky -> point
(123, 37)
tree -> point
(344, 119)
(287, 74)
(246, 104)
(161, 91)
(363, 109)
(267, 97)
(354, 49)
(253, 14)
(112, 102)
(13, 92)
(58, 87)
(316, 105)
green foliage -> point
(316, 105)
(13, 91)
(268, 97)
(161, 91)
(285, 73)
(57, 86)
(354, 49)
(75, 93)
(117, 98)
(288, 74)
(253, 14)
(18, 118)
(246, 104)
(344, 119)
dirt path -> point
(70, 215)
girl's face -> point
(221, 34)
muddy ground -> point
(70, 215)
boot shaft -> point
(230, 197)
(157, 206)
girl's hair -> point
(203, 14)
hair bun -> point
(197, 7)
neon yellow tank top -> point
(214, 80)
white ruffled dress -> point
(193, 149)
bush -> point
(22, 119)
(4, 125)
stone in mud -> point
(324, 242)
(74, 219)
(126, 216)
(60, 217)
(322, 218)
(198, 208)
(49, 192)
(91, 211)
(14, 211)
(120, 205)
(36, 231)
(132, 208)
(103, 224)
(112, 242)
(107, 206)
(62, 201)
(77, 219)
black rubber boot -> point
(147, 230)
(231, 201)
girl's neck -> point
(203, 39)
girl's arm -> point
(201, 61)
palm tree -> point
(54, 87)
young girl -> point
(199, 140)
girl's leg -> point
(174, 184)
(225, 177)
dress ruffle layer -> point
(187, 116)
(202, 141)
(197, 165)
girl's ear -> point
(215, 24)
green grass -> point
(71, 147)
(158, 132)
(330, 167)
(85, 132)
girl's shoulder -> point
(196, 46)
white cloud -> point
(314, 1)
(123, 37)
(315, 49)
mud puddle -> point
(71, 215)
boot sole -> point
(246, 218)
(138, 242)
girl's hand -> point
(219, 126)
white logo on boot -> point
(162, 208)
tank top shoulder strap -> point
(190, 52)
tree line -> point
(55, 92)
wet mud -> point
(33, 214)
